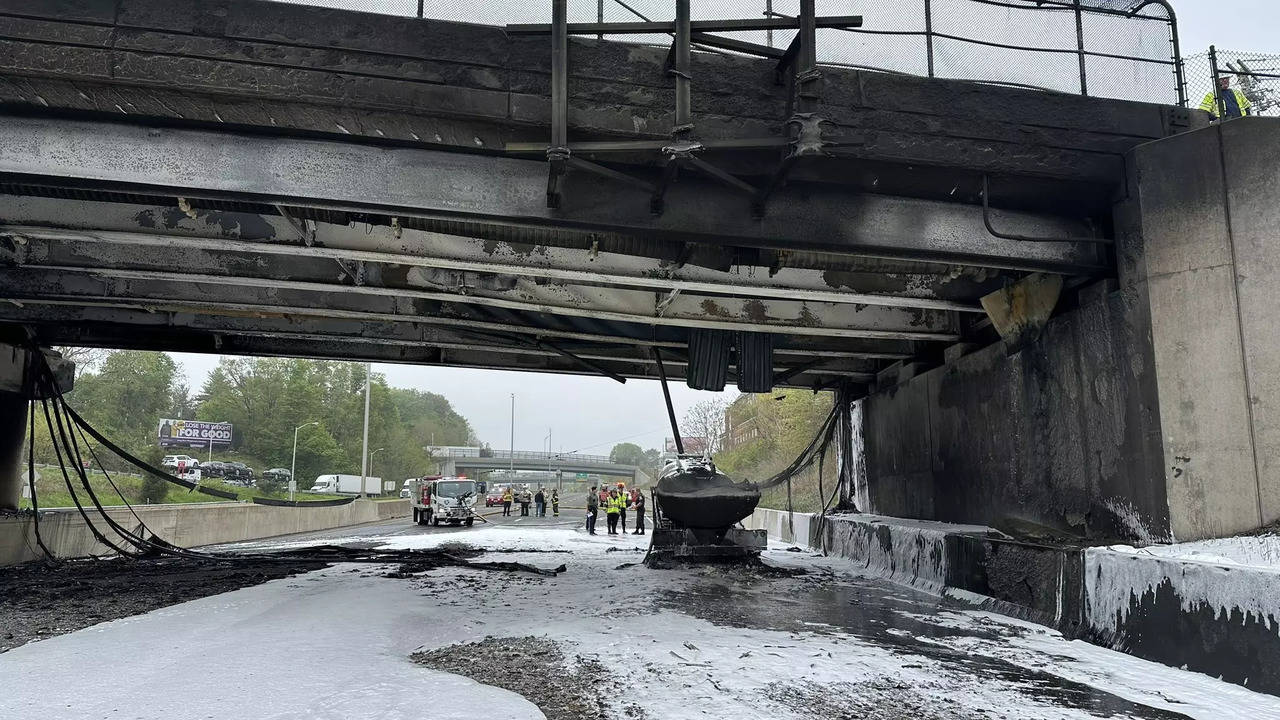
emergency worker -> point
(507, 498)
(622, 514)
(555, 502)
(613, 506)
(1227, 102)
(593, 509)
(638, 502)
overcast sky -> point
(1252, 25)
(583, 413)
(593, 413)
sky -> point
(591, 414)
(1252, 25)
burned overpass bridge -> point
(272, 179)
(254, 177)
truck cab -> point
(436, 499)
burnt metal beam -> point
(504, 193)
(138, 250)
(99, 327)
(639, 308)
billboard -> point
(193, 433)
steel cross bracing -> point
(797, 66)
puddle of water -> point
(884, 615)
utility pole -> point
(364, 448)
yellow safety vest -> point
(1210, 103)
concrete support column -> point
(1210, 268)
(13, 416)
(16, 365)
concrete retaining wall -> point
(1222, 620)
(185, 525)
(1060, 434)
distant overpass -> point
(464, 461)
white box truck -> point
(452, 500)
(346, 485)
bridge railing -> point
(567, 457)
(1125, 49)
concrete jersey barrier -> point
(185, 525)
(1219, 619)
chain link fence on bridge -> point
(1257, 75)
(1109, 48)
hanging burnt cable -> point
(73, 452)
(816, 451)
(819, 443)
(31, 471)
(150, 546)
(62, 465)
(67, 432)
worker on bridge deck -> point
(1227, 102)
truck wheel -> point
(470, 521)
(415, 516)
(435, 521)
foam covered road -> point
(806, 639)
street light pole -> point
(375, 452)
(511, 458)
(293, 464)
(364, 447)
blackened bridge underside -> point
(272, 179)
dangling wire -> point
(31, 479)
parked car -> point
(239, 473)
(172, 461)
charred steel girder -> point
(481, 193)
(800, 58)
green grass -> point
(51, 491)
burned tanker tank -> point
(692, 493)
(696, 508)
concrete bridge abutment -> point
(1148, 408)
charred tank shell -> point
(693, 494)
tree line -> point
(125, 394)
(771, 430)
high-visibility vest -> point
(1242, 105)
